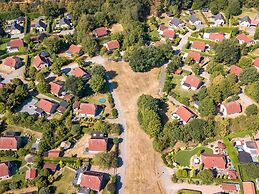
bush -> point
(110, 99)
(251, 110)
(174, 179)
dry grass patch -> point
(116, 28)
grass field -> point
(183, 157)
(64, 184)
(178, 89)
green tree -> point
(56, 69)
(97, 83)
(32, 72)
(44, 190)
(89, 45)
(249, 75)
(234, 7)
(206, 176)
(75, 85)
(208, 107)
(245, 62)
(43, 87)
(252, 110)
(106, 160)
(256, 35)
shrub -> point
(251, 110)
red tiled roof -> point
(74, 49)
(193, 81)
(232, 174)
(31, 173)
(235, 70)
(198, 45)
(102, 31)
(61, 109)
(55, 88)
(178, 72)
(244, 38)
(79, 72)
(8, 143)
(162, 28)
(4, 169)
(168, 33)
(92, 180)
(97, 144)
(16, 43)
(221, 145)
(248, 187)
(184, 113)
(216, 36)
(195, 56)
(113, 44)
(39, 60)
(46, 105)
(86, 108)
(213, 161)
(233, 107)
(256, 62)
(11, 61)
(50, 166)
(53, 153)
(76, 105)
(228, 187)
(254, 22)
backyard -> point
(178, 88)
(183, 157)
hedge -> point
(11, 54)
(205, 19)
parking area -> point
(29, 106)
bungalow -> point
(242, 38)
(232, 174)
(231, 108)
(79, 72)
(31, 174)
(248, 187)
(87, 110)
(251, 148)
(14, 28)
(53, 153)
(161, 28)
(13, 62)
(51, 167)
(56, 87)
(4, 170)
(218, 20)
(168, 33)
(199, 46)
(216, 36)
(99, 32)
(62, 106)
(245, 21)
(256, 63)
(98, 142)
(91, 180)
(63, 23)
(47, 106)
(175, 23)
(235, 70)
(14, 45)
(195, 56)
(230, 187)
(74, 50)
(9, 143)
(112, 45)
(40, 25)
(217, 161)
(194, 20)
(183, 114)
(40, 62)
(191, 82)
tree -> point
(206, 176)
(97, 83)
(245, 62)
(45, 190)
(43, 87)
(249, 75)
(228, 52)
(174, 64)
(56, 69)
(89, 45)
(75, 85)
(13, 185)
(40, 77)
(106, 160)
(196, 69)
(252, 110)
(208, 107)
(85, 25)
(256, 35)
(32, 72)
(234, 7)
(54, 45)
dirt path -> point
(143, 162)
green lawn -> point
(187, 191)
(183, 157)
(178, 89)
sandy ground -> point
(142, 161)
(25, 190)
(116, 28)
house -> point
(112, 45)
(31, 174)
(194, 20)
(50, 166)
(217, 36)
(4, 170)
(256, 63)
(64, 23)
(13, 62)
(76, 106)
(183, 114)
(98, 142)
(99, 32)
(47, 106)
(231, 108)
(40, 62)
(217, 161)
(248, 187)
(168, 33)
(14, 45)
(74, 50)
(199, 46)
(161, 28)
(242, 38)
(195, 56)
(91, 180)
(39, 38)
(56, 87)
(9, 143)
(191, 82)
(15, 28)
(245, 21)
(232, 174)
(230, 187)
(251, 148)
(176, 23)
(62, 106)
(218, 20)
(87, 110)
(244, 157)
(235, 70)
(53, 153)
(79, 72)
(40, 25)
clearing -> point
(143, 162)
(116, 28)
(24, 131)
(251, 12)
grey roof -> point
(246, 19)
(17, 26)
(193, 18)
(219, 16)
(40, 23)
(64, 21)
(244, 157)
(175, 21)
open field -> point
(116, 28)
(24, 131)
(249, 12)
(142, 161)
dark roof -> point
(63, 103)
(40, 23)
(65, 21)
(244, 157)
(175, 21)
(219, 16)
(246, 19)
(193, 18)
(17, 26)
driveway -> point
(18, 73)
(28, 106)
